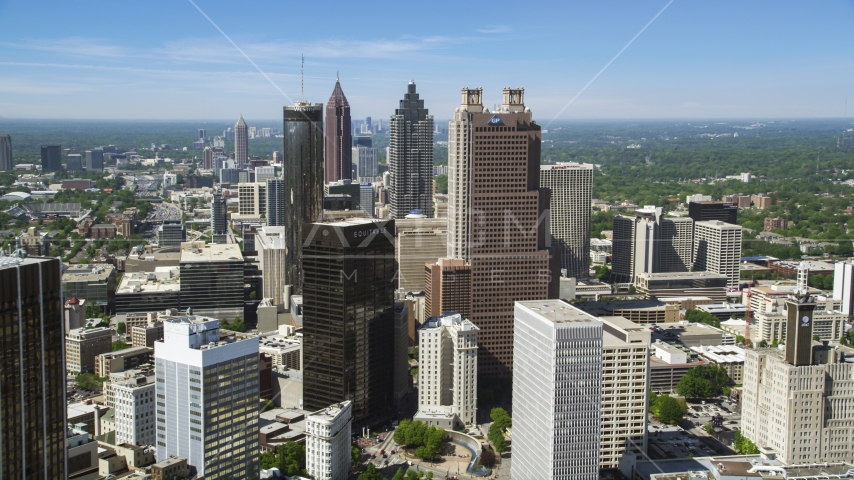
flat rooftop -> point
(557, 311)
(607, 307)
(215, 252)
(163, 279)
(87, 273)
(681, 275)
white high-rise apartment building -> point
(207, 398)
(241, 142)
(843, 285)
(253, 201)
(133, 403)
(625, 377)
(270, 245)
(717, 248)
(327, 442)
(804, 413)
(557, 392)
(447, 371)
(571, 185)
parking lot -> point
(689, 439)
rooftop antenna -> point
(802, 290)
(302, 81)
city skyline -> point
(739, 61)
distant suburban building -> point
(778, 223)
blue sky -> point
(163, 59)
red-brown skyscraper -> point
(498, 218)
(338, 154)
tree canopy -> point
(704, 381)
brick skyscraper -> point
(338, 164)
(498, 218)
(241, 142)
(303, 176)
(410, 157)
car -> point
(373, 456)
(382, 452)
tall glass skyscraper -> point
(32, 380)
(348, 317)
(6, 162)
(303, 179)
(338, 154)
(410, 157)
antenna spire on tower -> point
(302, 75)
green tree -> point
(370, 473)
(253, 294)
(500, 417)
(603, 273)
(269, 460)
(292, 459)
(669, 410)
(705, 381)
(816, 338)
(119, 345)
(356, 455)
(89, 381)
(93, 311)
(398, 475)
(223, 324)
(763, 344)
(709, 428)
(121, 328)
(413, 475)
(744, 445)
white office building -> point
(843, 285)
(207, 398)
(557, 391)
(571, 185)
(133, 403)
(717, 248)
(270, 245)
(262, 174)
(327, 442)
(447, 372)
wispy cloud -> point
(73, 46)
(494, 29)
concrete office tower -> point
(171, 233)
(270, 245)
(51, 158)
(717, 248)
(498, 222)
(557, 392)
(338, 163)
(241, 142)
(133, 403)
(804, 413)
(219, 219)
(208, 159)
(327, 441)
(571, 185)
(348, 299)
(252, 198)
(208, 389)
(447, 287)
(704, 211)
(447, 372)
(625, 380)
(420, 240)
(410, 160)
(95, 160)
(366, 199)
(73, 162)
(366, 162)
(262, 174)
(303, 175)
(650, 243)
(32, 407)
(6, 162)
(212, 279)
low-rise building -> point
(724, 311)
(683, 284)
(146, 335)
(687, 303)
(327, 442)
(81, 453)
(778, 223)
(133, 405)
(692, 334)
(283, 351)
(149, 291)
(172, 468)
(728, 356)
(668, 364)
(122, 360)
(82, 345)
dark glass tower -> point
(6, 162)
(303, 175)
(339, 138)
(348, 317)
(51, 158)
(410, 157)
(702, 211)
(32, 378)
(95, 160)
